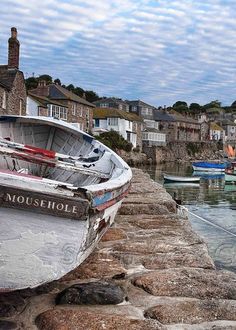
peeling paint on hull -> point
(51, 217)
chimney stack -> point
(13, 50)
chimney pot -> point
(13, 32)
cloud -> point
(158, 51)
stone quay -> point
(149, 271)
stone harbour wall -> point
(149, 271)
(182, 151)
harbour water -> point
(212, 209)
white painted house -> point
(43, 106)
(126, 124)
(151, 136)
(216, 132)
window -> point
(59, 112)
(96, 123)
(21, 107)
(4, 100)
(80, 111)
(73, 109)
(113, 121)
(104, 105)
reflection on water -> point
(211, 200)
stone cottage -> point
(12, 83)
(66, 105)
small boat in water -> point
(208, 167)
(60, 190)
(183, 179)
(181, 185)
(230, 173)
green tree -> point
(78, 91)
(195, 108)
(91, 96)
(57, 81)
(70, 87)
(45, 77)
(180, 106)
(212, 104)
(31, 83)
(180, 103)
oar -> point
(39, 159)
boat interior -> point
(39, 149)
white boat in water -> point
(183, 179)
(60, 190)
(208, 167)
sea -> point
(211, 205)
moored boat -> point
(230, 173)
(230, 177)
(60, 190)
(208, 167)
(184, 179)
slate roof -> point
(110, 100)
(103, 113)
(160, 115)
(58, 92)
(139, 102)
(43, 100)
(7, 77)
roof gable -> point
(61, 93)
(43, 100)
(7, 76)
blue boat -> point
(208, 167)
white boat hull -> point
(206, 169)
(48, 226)
(183, 179)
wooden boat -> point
(208, 167)
(184, 179)
(59, 191)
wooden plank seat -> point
(35, 183)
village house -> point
(142, 109)
(112, 102)
(65, 105)
(216, 132)
(126, 124)
(43, 106)
(151, 135)
(166, 123)
(185, 128)
(12, 84)
(229, 127)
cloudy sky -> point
(159, 51)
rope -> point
(207, 221)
